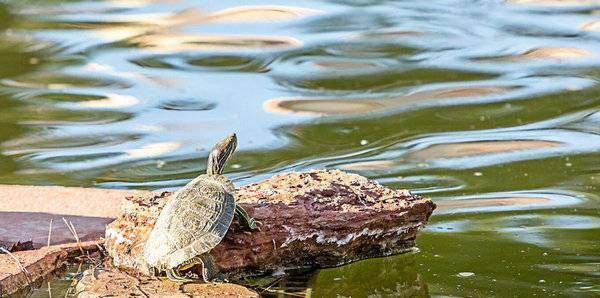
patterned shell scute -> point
(192, 223)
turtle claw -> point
(219, 277)
(254, 224)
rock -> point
(26, 211)
(42, 262)
(310, 220)
(18, 246)
(34, 226)
(114, 283)
(35, 264)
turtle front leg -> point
(246, 221)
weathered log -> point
(315, 219)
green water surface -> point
(491, 108)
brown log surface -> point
(314, 219)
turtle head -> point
(219, 155)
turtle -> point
(195, 220)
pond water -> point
(491, 108)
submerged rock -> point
(314, 219)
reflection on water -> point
(257, 14)
(518, 200)
(559, 54)
(489, 107)
(394, 276)
(347, 106)
(556, 2)
(176, 42)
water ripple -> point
(215, 62)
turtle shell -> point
(192, 222)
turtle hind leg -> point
(209, 270)
(174, 275)
(246, 222)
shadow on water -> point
(489, 107)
